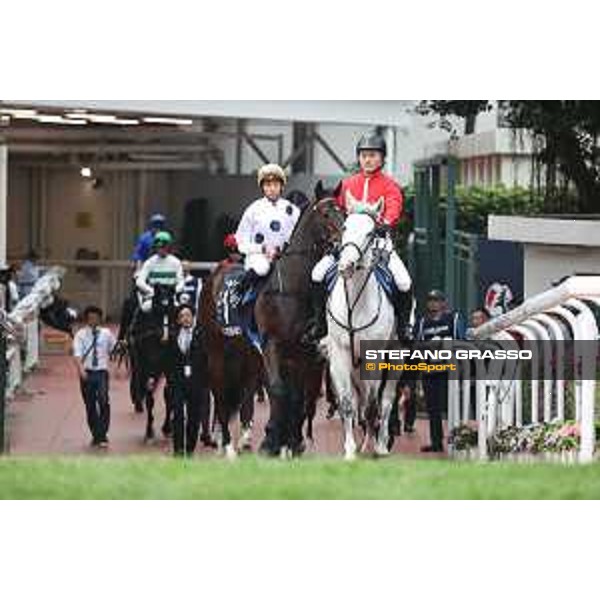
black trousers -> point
(435, 388)
(189, 406)
(409, 415)
(97, 404)
(410, 412)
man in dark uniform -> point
(437, 324)
(188, 379)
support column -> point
(392, 167)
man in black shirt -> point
(437, 324)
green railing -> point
(434, 263)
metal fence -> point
(435, 264)
(427, 257)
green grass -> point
(251, 478)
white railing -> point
(111, 285)
(542, 318)
(22, 329)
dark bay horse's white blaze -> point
(359, 310)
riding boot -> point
(316, 328)
(403, 306)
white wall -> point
(546, 264)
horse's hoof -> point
(150, 436)
(298, 450)
(246, 440)
(350, 456)
(230, 453)
(381, 451)
(208, 442)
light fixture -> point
(124, 122)
(19, 113)
(86, 172)
(167, 121)
(58, 120)
(102, 119)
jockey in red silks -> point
(370, 186)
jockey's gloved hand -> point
(383, 230)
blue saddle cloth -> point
(235, 312)
(382, 274)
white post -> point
(482, 412)
(3, 202)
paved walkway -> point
(50, 419)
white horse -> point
(359, 309)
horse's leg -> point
(224, 417)
(167, 427)
(136, 390)
(150, 387)
(341, 376)
(387, 403)
(271, 445)
(312, 393)
(247, 417)
(297, 415)
(364, 411)
(330, 394)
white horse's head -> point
(357, 233)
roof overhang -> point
(360, 112)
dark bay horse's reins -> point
(313, 248)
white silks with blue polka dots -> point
(266, 227)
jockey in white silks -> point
(162, 268)
(266, 226)
(367, 189)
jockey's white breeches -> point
(321, 268)
(399, 272)
(145, 302)
(258, 263)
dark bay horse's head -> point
(59, 315)
(163, 302)
(320, 224)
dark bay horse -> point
(59, 315)
(150, 333)
(126, 351)
(234, 365)
(295, 371)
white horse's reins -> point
(352, 331)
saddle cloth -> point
(235, 311)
